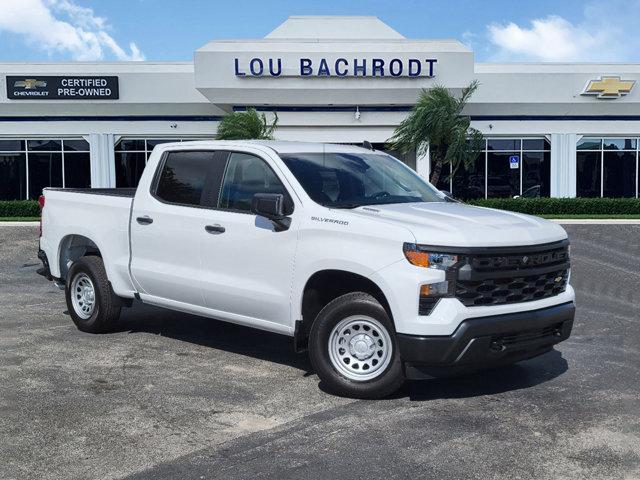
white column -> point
(563, 164)
(103, 165)
(423, 164)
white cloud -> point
(596, 36)
(62, 26)
(470, 39)
(548, 39)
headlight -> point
(422, 258)
(430, 293)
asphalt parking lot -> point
(171, 396)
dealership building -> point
(551, 129)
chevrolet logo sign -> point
(30, 84)
(609, 87)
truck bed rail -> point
(113, 192)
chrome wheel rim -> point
(83, 296)
(360, 348)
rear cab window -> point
(190, 178)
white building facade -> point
(560, 130)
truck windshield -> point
(350, 180)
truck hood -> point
(460, 225)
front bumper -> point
(487, 341)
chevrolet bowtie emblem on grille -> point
(30, 84)
(609, 87)
(525, 259)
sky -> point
(166, 30)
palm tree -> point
(248, 125)
(436, 122)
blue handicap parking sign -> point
(514, 161)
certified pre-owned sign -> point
(62, 88)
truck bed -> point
(100, 215)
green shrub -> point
(564, 206)
(19, 208)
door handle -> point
(146, 220)
(214, 229)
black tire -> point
(388, 380)
(107, 305)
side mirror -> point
(448, 196)
(269, 205)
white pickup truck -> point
(369, 267)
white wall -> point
(128, 128)
(169, 89)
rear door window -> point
(190, 178)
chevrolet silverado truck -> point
(377, 274)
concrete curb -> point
(586, 221)
(19, 224)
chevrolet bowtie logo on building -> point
(30, 84)
(609, 87)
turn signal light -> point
(417, 258)
(420, 257)
(438, 289)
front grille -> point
(524, 260)
(499, 276)
(500, 342)
(511, 289)
(513, 275)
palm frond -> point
(437, 122)
(248, 125)
(467, 92)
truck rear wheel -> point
(91, 302)
(353, 349)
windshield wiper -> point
(346, 205)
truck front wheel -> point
(353, 349)
(91, 302)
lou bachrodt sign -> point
(62, 88)
(339, 67)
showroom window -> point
(506, 167)
(29, 165)
(131, 155)
(607, 167)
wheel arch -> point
(72, 247)
(324, 286)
